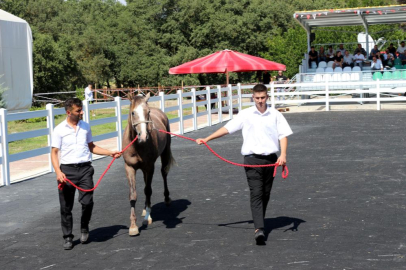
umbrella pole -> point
(227, 76)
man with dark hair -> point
(313, 57)
(392, 50)
(360, 49)
(263, 128)
(72, 139)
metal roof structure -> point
(364, 16)
(351, 16)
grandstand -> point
(311, 20)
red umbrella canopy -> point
(226, 61)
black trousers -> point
(83, 178)
(260, 182)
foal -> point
(145, 122)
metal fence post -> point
(4, 148)
(119, 123)
(194, 108)
(180, 112)
(50, 126)
(378, 95)
(208, 99)
(162, 101)
(220, 108)
(239, 97)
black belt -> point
(78, 165)
(260, 156)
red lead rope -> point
(61, 185)
(285, 171)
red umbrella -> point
(224, 62)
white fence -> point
(228, 98)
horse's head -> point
(139, 117)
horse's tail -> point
(171, 161)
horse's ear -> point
(147, 96)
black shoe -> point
(84, 236)
(260, 237)
(68, 245)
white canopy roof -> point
(351, 16)
(16, 73)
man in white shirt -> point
(359, 59)
(263, 128)
(89, 95)
(73, 140)
(376, 64)
(348, 60)
(401, 49)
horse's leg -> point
(148, 174)
(166, 160)
(133, 199)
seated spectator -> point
(341, 49)
(401, 49)
(338, 60)
(390, 62)
(374, 50)
(313, 57)
(376, 64)
(330, 54)
(348, 60)
(380, 56)
(362, 50)
(392, 50)
(403, 57)
(359, 59)
(322, 54)
(371, 56)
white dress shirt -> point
(261, 131)
(359, 58)
(377, 64)
(72, 144)
(401, 49)
(88, 94)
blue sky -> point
(122, 1)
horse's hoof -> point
(168, 201)
(144, 213)
(133, 231)
(147, 222)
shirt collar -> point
(65, 122)
(268, 110)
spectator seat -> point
(398, 62)
(338, 69)
(347, 69)
(328, 69)
(397, 75)
(356, 68)
(322, 64)
(320, 70)
(330, 64)
(377, 75)
(387, 75)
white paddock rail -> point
(226, 101)
(224, 97)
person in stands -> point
(341, 49)
(375, 50)
(376, 64)
(392, 50)
(359, 59)
(330, 54)
(403, 57)
(348, 60)
(313, 57)
(401, 49)
(322, 54)
(338, 60)
(362, 50)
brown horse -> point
(145, 122)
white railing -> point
(227, 99)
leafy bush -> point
(80, 93)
